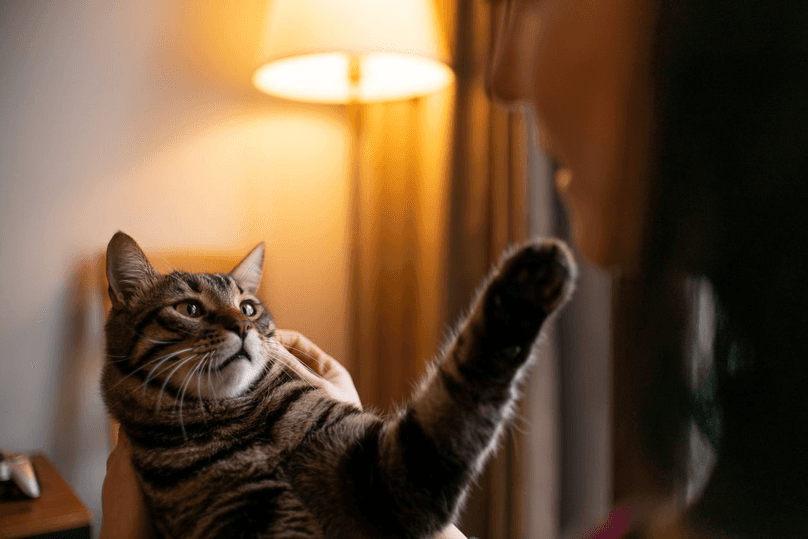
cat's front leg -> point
(529, 285)
(466, 399)
(409, 482)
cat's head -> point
(191, 334)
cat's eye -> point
(191, 309)
(248, 308)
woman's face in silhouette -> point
(584, 67)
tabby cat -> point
(229, 443)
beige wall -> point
(133, 117)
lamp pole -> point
(354, 111)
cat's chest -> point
(250, 446)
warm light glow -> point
(308, 45)
(323, 78)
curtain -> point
(397, 231)
(488, 212)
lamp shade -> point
(339, 51)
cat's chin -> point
(232, 380)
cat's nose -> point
(239, 326)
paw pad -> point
(532, 282)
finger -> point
(123, 440)
(326, 366)
(291, 361)
(313, 356)
(343, 390)
(341, 379)
(120, 453)
(302, 348)
(125, 514)
(114, 429)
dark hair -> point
(730, 204)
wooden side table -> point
(57, 514)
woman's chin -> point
(600, 238)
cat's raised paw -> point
(532, 282)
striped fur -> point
(230, 446)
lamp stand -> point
(355, 112)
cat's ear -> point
(248, 272)
(128, 270)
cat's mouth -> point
(241, 354)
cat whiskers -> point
(284, 367)
(287, 369)
(308, 355)
(210, 382)
(165, 382)
(301, 351)
(183, 389)
(161, 360)
(142, 367)
(203, 363)
(156, 341)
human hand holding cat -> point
(123, 505)
(320, 369)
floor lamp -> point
(352, 52)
